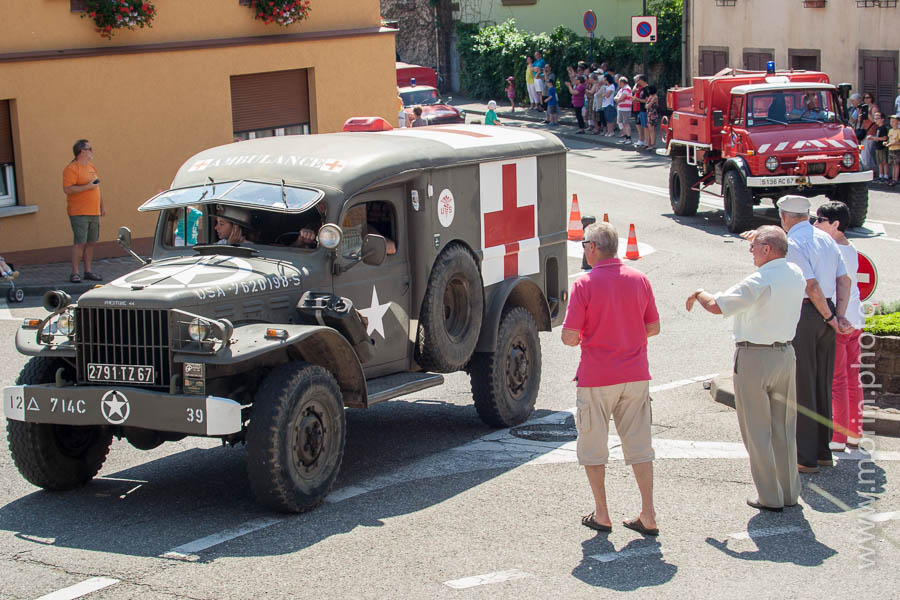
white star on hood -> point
(375, 314)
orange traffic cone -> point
(631, 251)
(576, 229)
(606, 217)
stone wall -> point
(886, 350)
(416, 38)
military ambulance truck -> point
(352, 268)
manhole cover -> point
(549, 432)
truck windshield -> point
(422, 97)
(787, 107)
(249, 193)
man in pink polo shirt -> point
(611, 314)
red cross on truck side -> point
(507, 227)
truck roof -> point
(786, 86)
(349, 162)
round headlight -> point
(65, 324)
(772, 163)
(848, 160)
(198, 330)
(330, 236)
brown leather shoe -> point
(825, 462)
(805, 469)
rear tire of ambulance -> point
(55, 457)
(295, 440)
(452, 311)
(738, 203)
(683, 177)
(856, 197)
(505, 382)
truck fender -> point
(314, 344)
(27, 344)
(520, 291)
(737, 163)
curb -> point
(884, 421)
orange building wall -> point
(146, 113)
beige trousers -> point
(765, 393)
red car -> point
(433, 108)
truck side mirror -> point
(718, 118)
(124, 238)
(374, 249)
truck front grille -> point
(122, 336)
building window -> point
(7, 160)
(804, 60)
(756, 59)
(712, 59)
(518, 2)
(270, 104)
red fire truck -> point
(762, 135)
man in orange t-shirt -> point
(85, 207)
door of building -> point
(879, 78)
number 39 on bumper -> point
(128, 407)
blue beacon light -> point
(770, 67)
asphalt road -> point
(431, 503)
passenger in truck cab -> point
(234, 225)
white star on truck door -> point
(375, 315)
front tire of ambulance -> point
(682, 178)
(505, 382)
(452, 310)
(55, 457)
(738, 203)
(295, 441)
(856, 197)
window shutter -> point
(269, 100)
(6, 146)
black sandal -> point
(638, 525)
(589, 522)
(75, 278)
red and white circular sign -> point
(867, 277)
(446, 208)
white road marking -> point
(882, 517)
(78, 590)
(882, 222)
(681, 382)
(575, 250)
(629, 553)
(5, 315)
(766, 532)
(475, 580)
(185, 551)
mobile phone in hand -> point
(96, 181)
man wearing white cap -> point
(820, 260)
(766, 308)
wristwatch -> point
(828, 320)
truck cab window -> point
(184, 226)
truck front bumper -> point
(122, 406)
(808, 180)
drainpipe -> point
(685, 44)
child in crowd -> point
(893, 144)
(652, 115)
(5, 271)
(511, 92)
(418, 121)
(552, 101)
(881, 151)
(490, 117)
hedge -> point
(490, 54)
(883, 324)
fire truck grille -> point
(126, 337)
(816, 168)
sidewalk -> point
(34, 280)
(534, 119)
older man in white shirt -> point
(819, 257)
(766, 308)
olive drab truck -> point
(762, 135)
(433, 250)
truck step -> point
(400, 384)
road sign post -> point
(866, 277)
(643, 31)
(590, 24)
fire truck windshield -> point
(788, 107)
(423, 97)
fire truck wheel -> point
(452, 310)
(738, 203)
(295, 440)
(55, 457)
(505, 382)
(856, 197)
(683, 177)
